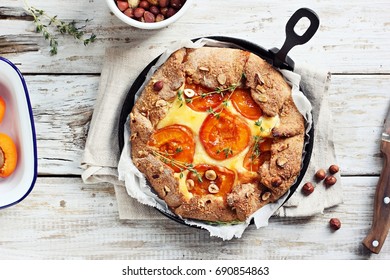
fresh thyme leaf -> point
(214, 113)
(178, 150)
(227, 151)
(182, 166)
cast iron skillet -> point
(276, 57)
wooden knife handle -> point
(381, 220)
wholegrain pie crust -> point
(217, 134)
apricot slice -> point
(2, 108)
(8, 155)
(220, 186)
(204, 99)
(245, 105)
(256, 156)
(175, 145)
(224, 135)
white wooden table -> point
(64, 219)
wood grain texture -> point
(65, 219)
(353, 35)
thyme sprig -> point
(46, 24)
(227, 151)
(182, 166)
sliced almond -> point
(281, 162)
(282, 147)
(132, 137)
(259, 79)
(221, 78)
(190, 184)
(265, 196)
(260, 89)
(166, 189)
(161, 103)
(204, 68)
(262, 98)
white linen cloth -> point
(101, 156)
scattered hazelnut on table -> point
(330, 180)
(320, 174)
(335, 223)
(308, 188)
(333, 169)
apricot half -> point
(224, 135)
(175, 145)
(8, 155)
(245, 105)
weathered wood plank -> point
(353, 36)
(64, 219)
(63, 106)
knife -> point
(381, 220)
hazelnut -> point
(189, 92)
(330, 180)
(335, 223)
(308, 188)
(210, 175)
(333, 169)
(213, 188)
(320, 174)
(157, 86)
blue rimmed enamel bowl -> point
(18, 123)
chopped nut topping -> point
(282, 147)
(276, 182)
(259, 79)
(132, 137)
(281, 162)
(260, 89)
(161, 103)
(203, 68)
(262, 98)
(265, 196)
(166, 189)
(213, 188)
(210, 175)
(221, 79)
(190, 184)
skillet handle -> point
(281, 59)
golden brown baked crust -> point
(219, 68)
